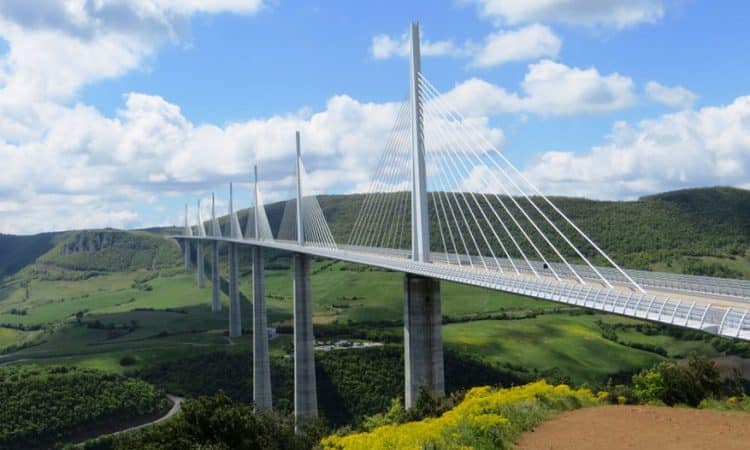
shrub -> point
(216, 422)
(674, 384)
(486, 418)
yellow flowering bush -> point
(486, 418)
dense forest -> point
(45, 405)
(351, 384)
(670, 228)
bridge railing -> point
(714, 318)
(719, 318)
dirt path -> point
(641, 428)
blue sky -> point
(116, 113)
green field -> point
(172, 319)
(572, 344)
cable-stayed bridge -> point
(445, 204)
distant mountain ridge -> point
(655, 231)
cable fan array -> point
(384, 219)
(483, 212)
(264, 227)
(316, 230)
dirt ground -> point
(641, 428)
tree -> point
(673, 384)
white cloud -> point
(88, 170)
(62, 162)
(58, 46)
(531, 42)
(385, 47)
(707, 147)
(616, 14)
(548, 88)
(675, 97)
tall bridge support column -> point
(261, 362)
(186, 245)
(215, 284)
(305, 392)
(201, 274)
(235, 318)
(423, 339)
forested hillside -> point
(683, 231)
(113, 251)
(700, 231)
(42, 406)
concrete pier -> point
(261, 363)
(305, 393)
(215, 283)
(423, 339)
(201, 272)
(186, 246)
(235, 316)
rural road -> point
(176, 406)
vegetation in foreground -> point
(43, 406)
(480, 418)
(351, 384)
(485, 419)
(217, 423)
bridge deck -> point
(714, 305)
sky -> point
(116, 113)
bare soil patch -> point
(641, 428)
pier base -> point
(423, 339)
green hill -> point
(701, 231)
(112, 251)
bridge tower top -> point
(300, 219)
(234, 224)
(199, 219)
(188, 229)
(256, 210)
(420, 231)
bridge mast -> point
(305, 390)
(423, 342)
(235, 320)
(420, 227)
(256, 216)
(188, 232)
(300, 221)
(261, 363)
(201, 276)
(215, 232)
